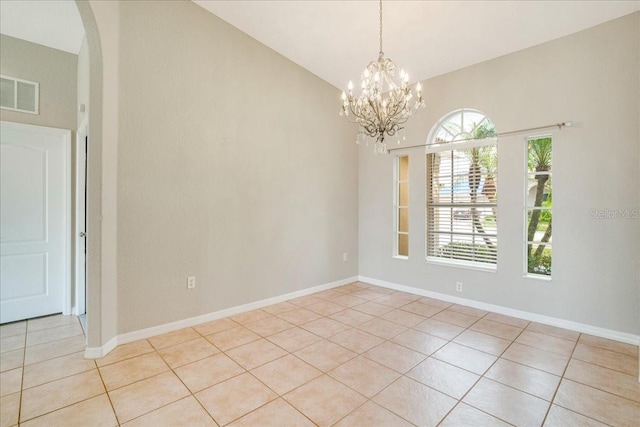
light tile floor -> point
(357, 355)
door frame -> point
(65, 135)
(80, 223)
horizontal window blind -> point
(462, 202)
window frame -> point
(527, 208)
(451, 146)
(396, 207)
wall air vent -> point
(19, 95)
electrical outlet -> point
(191, 282)
(459, 286)
(344, 256)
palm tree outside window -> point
(539, 206)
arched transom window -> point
(462, 190)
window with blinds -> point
(462, 191)
(402, 207)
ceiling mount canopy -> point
(385, 102)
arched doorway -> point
(94, 180)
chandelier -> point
(384, 103)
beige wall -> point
(56, 72)
(590, 78)
(233, 166)
(83, 83)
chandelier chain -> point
(381, 27)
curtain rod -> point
(513, 132)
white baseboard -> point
(547, 320)
(97, 352)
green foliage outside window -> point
(539, 219)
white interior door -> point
(34, 220)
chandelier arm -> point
(370, 127)
(393, 120)
(399, 115)
(367, 123)
(373, 120)
(396, 112)
(395, 130)
(375, 109)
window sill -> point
(402, 257)
(489, 268)
(537, 277)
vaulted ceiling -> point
(55, 24)
(336, 39)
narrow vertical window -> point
(402, 207)
(539, 206)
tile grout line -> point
(62, 407)
(555, 393)
(24, 357)
(507, 385)
(322, 372)
(192, 394)
(460, 400)
(586, 385)
(265, 337)
(57, 379)
(172, 370)
(156, 350)
(106, 392)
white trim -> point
(68, 292)
(533, 317)
(467, 265)
(434, 130)
(461, 145)
(542, 277)
(396, 206)
(527, 175)
(97, 352)
(80, 256)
